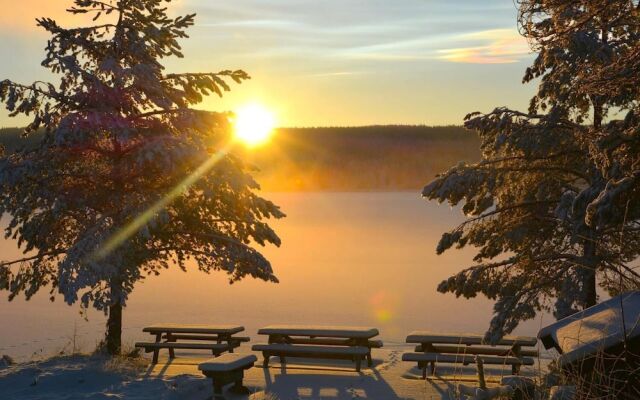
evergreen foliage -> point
(126, 179)
(551, 204)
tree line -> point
(368, 158)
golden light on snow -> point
(254, 124)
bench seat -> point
(150, 346)
(184, 336)
(356, 353)
(430, 358)
(372, 344)
(226, 369)
(465, 359)
(215, 348)
(228, 362)
(486, 350)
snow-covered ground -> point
(94, 377)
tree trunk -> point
(113, 339)
(589, 249)
(589, 273)
(114, 329)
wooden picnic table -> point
(314, 341)
(465, 348)
(217, 338)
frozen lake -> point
(346, 258)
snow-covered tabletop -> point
(595, 329)
(192, 328)
(350, 332)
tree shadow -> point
(327, 384)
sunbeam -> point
(134, 226)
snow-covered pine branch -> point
(120, 138)
(553, 205)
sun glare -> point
(254, 124)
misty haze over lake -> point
(346, 258)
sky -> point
(327, 62)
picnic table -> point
(216, 338)
(311, 341)
(465, 348)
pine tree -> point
(535, 202)
(128, 179)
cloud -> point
(495, 46)
(334, 74)
(376, 30)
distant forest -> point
(372, 158)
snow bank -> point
(93, 377)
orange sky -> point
(335, 62)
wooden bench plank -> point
(374, 344)
(212, 338)
(465, 359)
(425, 359)
(466, 339)
(289, 348)
(184, 345)
(486, 350)
(355, 353)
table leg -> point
(156, 350)
(266, 356)
(170, 339)
(238, 387)
(429, 348)
(226, 338)
(217, 389)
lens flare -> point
(134, 226)
(382, 305)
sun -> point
(254, 124)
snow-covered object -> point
(553, 207)
(128, 180)
(595, 330)
(84, 377)
(227, 362)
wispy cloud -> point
(495, 46)
(335, 74)
(255, 23)
(350, 55)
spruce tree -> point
(128, 178)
